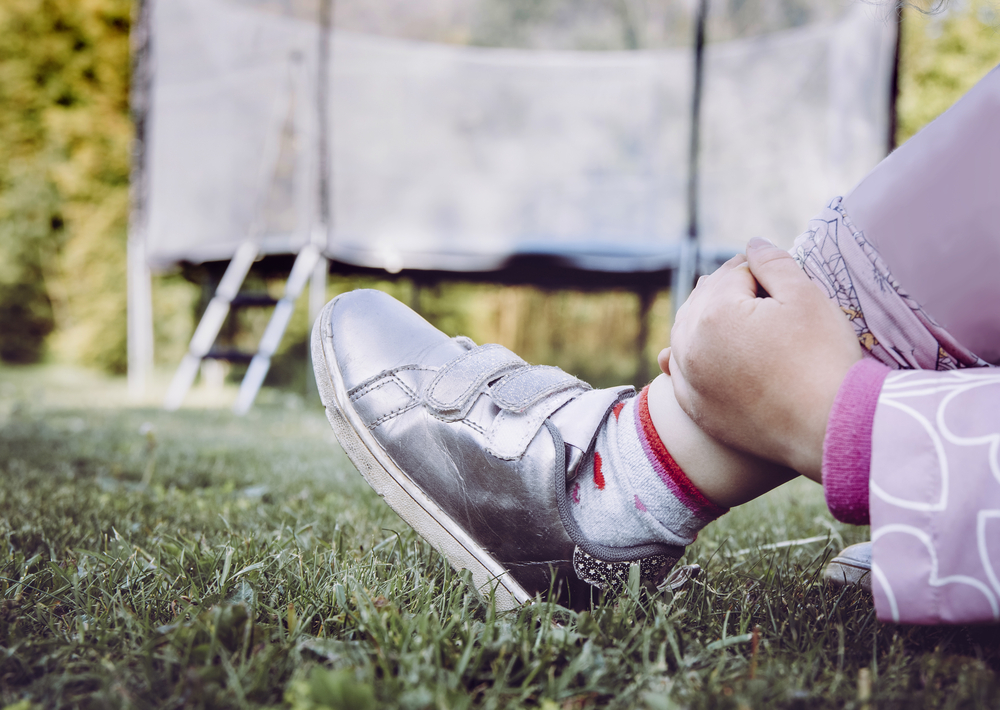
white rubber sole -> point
(395, 487)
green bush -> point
(943, 56)
(29, 228)
(65, 133)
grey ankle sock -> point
(630, 492)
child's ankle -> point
(630, 492)
(725, 476)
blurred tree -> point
(944, 53)
(30, 227)
(64, 137)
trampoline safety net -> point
(394, 139)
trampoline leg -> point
(302, 269)
(317, 299)
(684, 275)
(140, 318)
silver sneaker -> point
(472, 447)
(852, 567)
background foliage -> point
(943, 55)
(64, 164)
(64, 133)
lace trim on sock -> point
(670, 473)
(613, 576)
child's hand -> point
(761, 373)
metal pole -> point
(894, 80)
(324, 183)
(647, 297)
(140, 316)
(687, 268)
(139, 322)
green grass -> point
(194, 559)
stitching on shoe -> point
(382, 383)
(372, 388)
(477, 427)
(392, 414)
(373, 383)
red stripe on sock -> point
(617, 409)
(669, 471)
(598, 472)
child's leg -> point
(654, 476)
(917, 238)
(931, 210)
(726, 476)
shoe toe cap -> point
(851, 567)
(372, 332)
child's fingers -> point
(705, 281)
(739, 281)
(663, 360)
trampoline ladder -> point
(302, 269)
(215, 315)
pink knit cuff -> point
(847, 448)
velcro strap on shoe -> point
(450, 395)
(511, 431)
(579, 421)
(519, 390)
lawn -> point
(195, 559)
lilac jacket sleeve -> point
(933, 490)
